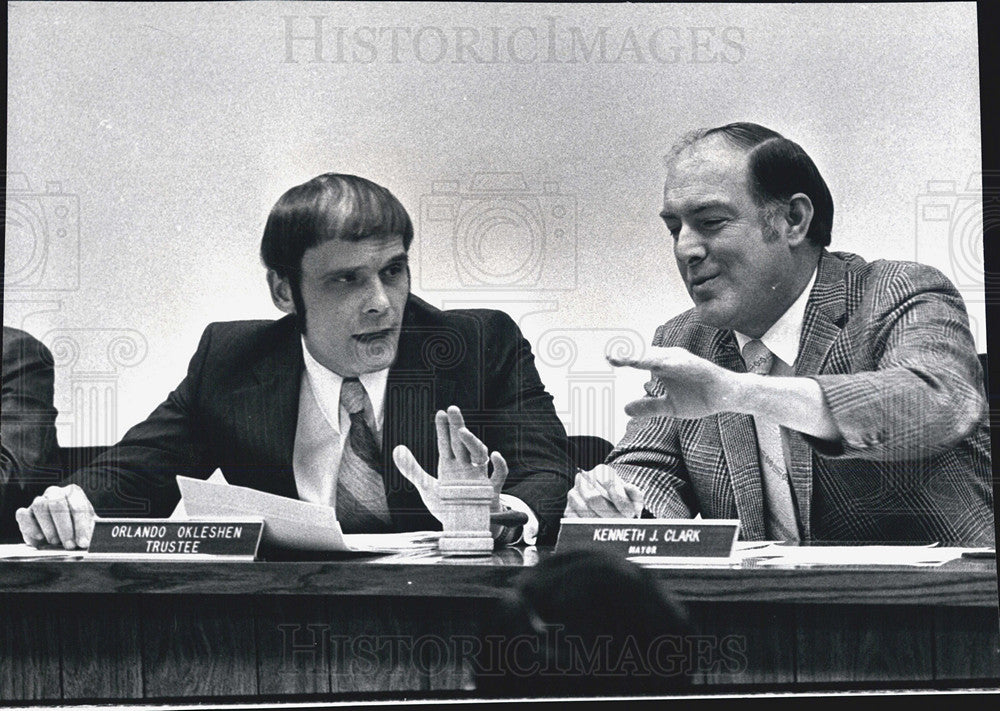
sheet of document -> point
(776, 555)
(22, 551)
(289, 523)
(772, 554)
(741, 549)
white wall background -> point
(171, 129)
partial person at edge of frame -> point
(29, 451)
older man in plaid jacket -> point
(812, 395)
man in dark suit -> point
(811, 395)
(320, 405)
(29, 453)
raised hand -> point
(461, 455)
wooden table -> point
(91, 630)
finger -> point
(650, 407)
(651, 364)
(594, 497)
(602, 508)
(636, 496)
(574, 503)
(478, 453)
(500, 471)
(622, 362)
(83, 515)
(609, 480)
(444, 438)
(656, 359)
(62, 516)
(410, 468)
(40, 510)
(582, 481)
(576, 507)
(579, 506)
(30, 531)
(455, 423)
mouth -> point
(701, 280)
(373, 336)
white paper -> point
(741, 550)
(660, 561)
(290, 523)
(393, 542)
(776, 555)
(22, 551)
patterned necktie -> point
(779, 507)
(361, 502)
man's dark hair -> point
(778, 169)
(330, 206)
(585, 622)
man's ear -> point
(281, 291)
(799, 217)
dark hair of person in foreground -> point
(584, 623)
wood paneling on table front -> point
(86, 630)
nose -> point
(689, 248)
(377, 301)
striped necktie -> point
(779, 506)
(361, 502)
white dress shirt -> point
(323, 427)
(782, 338)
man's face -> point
(736, 267)
(354, 294)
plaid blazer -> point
(889, 344)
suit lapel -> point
(414, 392)
(822, 323)
(739, 444)
(275, 395)
(824, 316)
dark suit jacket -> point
(238, 406)
(29, 453)
(889, 344)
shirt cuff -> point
(529, 532)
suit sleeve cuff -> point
(862, 427)
(529, 532)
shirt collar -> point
(782, 338)
(326, 387)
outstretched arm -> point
(694, 387)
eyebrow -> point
(700, 207)
(401, 258)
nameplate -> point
(661, 538)
(176, 539)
